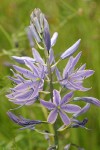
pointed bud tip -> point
(69, 52)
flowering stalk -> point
(51, 96)
(29, 83)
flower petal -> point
(75, 61)
(24, 95)
(56, 98)
(26, 85)
(12, 95)
(47, 39)
(32, 67)
(51, 56)
(13, 117)
(74, 86)
(84, 89)
(79, 75)
(70, 50)
(17, 81)
(36, 88)
(25, 102)
(30, 37)
(71, 108)
(54, 38)
(31, 101)
(64, 117)
(52, 116)
(37, 56)
(83, 110)
(22, 121)
(21, 59)
(82, 67)
(77, 123)
(41, 20)
(67, 68)
(42, 73)
(58, 74)
(90, 100)
(37, 25)
(66, 98)
(34, 33)
(48, 105)
(23, 71)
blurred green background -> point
(72, 19)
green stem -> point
(51, 96)
(56, 135)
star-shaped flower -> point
(37, 59)
(73, 78)
(60, 107)
(28, 83)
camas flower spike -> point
(30, 83)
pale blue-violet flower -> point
(60, 107)
(26, 123)
(91, 100)
(73, 78)
(37, 59)
(28, 83)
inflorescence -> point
(30, 80)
